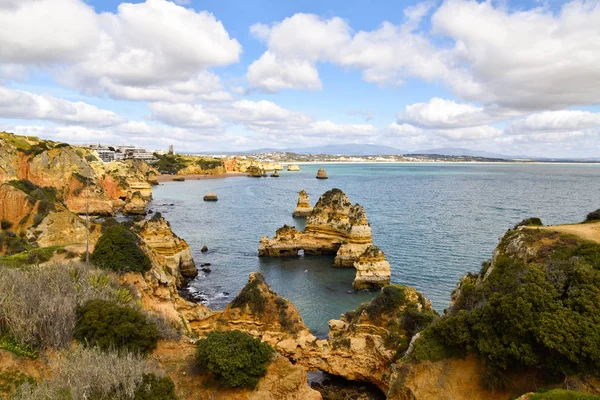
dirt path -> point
(589, 231)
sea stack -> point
(275, 174)
(335, 226)
(321, 174)
(372, 269)
(293, 167)
(303, 208)
(210, 197)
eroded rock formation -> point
(334, 226)
(303, 208)
(321, 174)
(372, 269)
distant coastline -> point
(195, 177)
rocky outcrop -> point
(293, 167)
(283, 380)
(167, 249)
(321, 174)
(334, 226)
(372, 269)
(136, 205)
(303, 208)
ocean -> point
(434, 222)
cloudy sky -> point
(509, 77)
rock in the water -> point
(293, 167)
(303, 208)
(206, 269)
(204, 249)
(321, 174)
(179, 179)
(210, 197)
(275, 174)
(372, 269)
(334, 226)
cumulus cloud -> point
(553, 121)
(529, 60)
(19, 104)
(271, 74)
(440, 113)
(184, 115)
(141, 52)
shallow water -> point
(434, 222)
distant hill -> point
(459, 151)
(338, 149)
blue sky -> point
(507, 77)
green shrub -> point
(108, 325)
(118, 250)
(534, 221)
(390, 298)
(250, 295)
(154, 387)
(540, 314)
(10, 243)
(11, 379)
(593, 216)
(6, 225)
(235, 358)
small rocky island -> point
(334, 226)
(321, 174)
(303, 208)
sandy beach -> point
(195, 177)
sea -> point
(434, 222)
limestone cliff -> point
(372, 269)
(303, 208)
(334, 226)
(81, 180)
(168, 250)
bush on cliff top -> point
(118, 250)
(234, 358)
(251, 296)
(534, 221)
(108, 325)
(593, 216)
(542, 314)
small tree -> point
(108, 325)
(593, 216)
(118, 250)
(235, 358)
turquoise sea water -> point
(435, 222)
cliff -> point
(334, 226)
(73, 171)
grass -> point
(29, 257)
(11, 379)
(9, 343)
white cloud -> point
(530, 60)
(24, 105)
(184, 115)
(260, 31)
(440, 113)
(272, 74)
(552, 121)
(482, 132)
(400, 130)
(144, 51)
(46, 31)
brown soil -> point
(589, 231)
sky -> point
(509, 77)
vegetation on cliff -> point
(234, 358)
(593, 216)
(534, 221)
(118, 250)
(537, 307)
(173, 163)
(107, 325)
